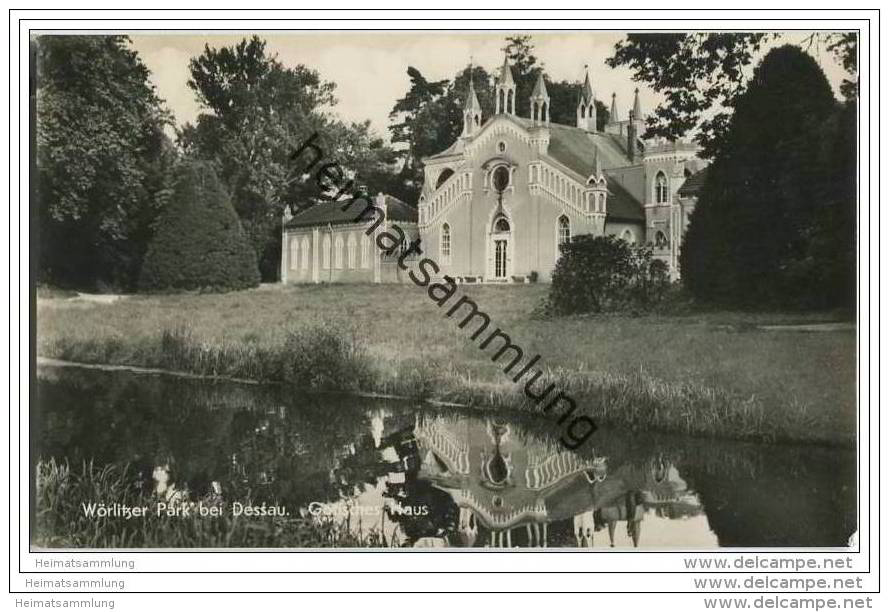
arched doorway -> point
(501, 256)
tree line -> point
(109, 158)
(774, 224)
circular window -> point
(501, 146)
(501, 178)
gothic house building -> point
(497, 204)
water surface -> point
(443, 478)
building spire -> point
(586, 92)
(613, 118)
(540, 87)
(540, 100)
(586, 106)
(637, 107)
(472, 110)
(505, 73)
(505, 94)
(472, 102)
(597, 163)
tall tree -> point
(102, 160)
(410, 118)
(701, 75)
(775, 205)
(257, 111)
(429, 118)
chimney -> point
(631, 137)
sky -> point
(370, 68)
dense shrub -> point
(605, 273)
(199, 242)
(325, 357)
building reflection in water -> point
(487, 484)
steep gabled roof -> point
(578, 149)
(621, 204)
(693, 184)
(332, 213)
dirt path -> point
(812, 327)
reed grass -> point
(62, 523)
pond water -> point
(442, 477)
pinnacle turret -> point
(540, 100)
(505, 94)
(472, 110)
(586, 105)
(637, 107)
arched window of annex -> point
(628, 237)
(338, 252)
(305, 254)
(365, 250)
(352, 247)
(660, 239)
(294, 254)
(444, 244)
(325, 252)
(661, 188)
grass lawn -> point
(710, 373)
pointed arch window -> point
(661, 188)
(365, 251)
(445, 243)
(563, 233)
(305, 254)
(351, 247)
(628, 237)
(338, 252)
(325, 252)
(294, 254)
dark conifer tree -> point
(199, 243)
(776, 184)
